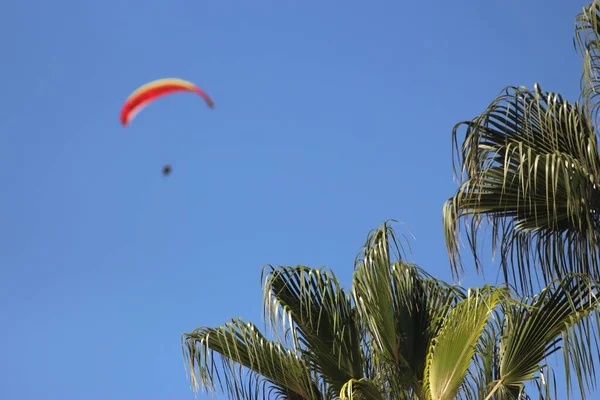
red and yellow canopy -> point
(151, 91)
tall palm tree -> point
(398, 334)
(530, 166)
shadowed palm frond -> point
(401, 308)
(320, 321)
(530, 164)
(251, 367)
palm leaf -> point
(322, 325)
(453, 348)
(534, 330)
(531, 165)
(360, 389)
(401, 309)
(252, 367)
(373, 294)
(486, 366)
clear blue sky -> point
(330, 118)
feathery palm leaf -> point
(532, 167)
(530, 164)
(239, 345)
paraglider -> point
(151, 91)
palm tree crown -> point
(399, 334)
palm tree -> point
(529, 165)
(398, 334)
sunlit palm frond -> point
(535, 330)
(453, 348)
(530, 164)
(322, 320)
(251, 366)
(587, 41)
(361, 389)
(373, 294)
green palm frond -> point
(587, 41)
(373, 294)
(486, 364)
(251, 367)
(360, 389)
(453, 348)
(534, 330)
(323, 326)
(401, 308)
(421, 305)
(531, 165)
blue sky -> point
(330, 118)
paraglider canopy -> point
(151, 91)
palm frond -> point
(401, 308)
(373, 294)
(486, 365)
(421, 305)
(251, 367)
(453, 348)
(322, 325)
(530, 164)
(360, 389)
(535, 329)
